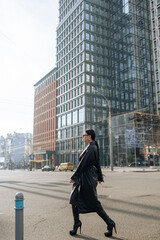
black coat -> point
(86, 177)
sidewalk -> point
(134, 169)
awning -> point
(43, 152)
(42, 160)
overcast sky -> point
(27, 53)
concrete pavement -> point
(131, 198)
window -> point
(69, 119)
(81, 100)
(59, 122)
(87, 36)
(81, 115)
(87, 16)
(104, 104)
(93, 79)
(88, 113)
(88, 89)
(87, 46)
(87, 56)
(68, 132)
(87, 6)
(88, 67)
(92, 48)
(63, 134)
(74, 140)
(92, 68)
(126, 6)
(63, 120)
(87, 26)
(59, 134)
(92, 28)
(94, 115)
(92, 37)
(92, 58)
(87, 78)
(74, 117)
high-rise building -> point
(104, 57)
(44, 132)
(21, 149)
(155, 25)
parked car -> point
(145, 164)
(139, 164)
(48, 168)
(66, 166)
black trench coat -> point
(86, 178)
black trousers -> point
(100, 211)
(75, 214)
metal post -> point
(110, 138)
(19, 216)
(109, 131)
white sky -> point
(27, 53)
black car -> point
(48, 168)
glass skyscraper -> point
(155, 25)
(104, 55)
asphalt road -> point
(132, 199)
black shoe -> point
(110, 227)
(75, 228)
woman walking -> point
(84, 195)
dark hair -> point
(91, 132)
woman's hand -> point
(71, 181)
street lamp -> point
(109, 130)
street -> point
(131, 199)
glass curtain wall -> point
(129, 76)
(97, 75)
(132, 58)
(136, 139)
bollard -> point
(19, 216)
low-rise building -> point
(44, 133)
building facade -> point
(2, 146)
(44, 132)
(136, 139)
(104, 57)
(16, 149)
(155, 25)
(21, 148)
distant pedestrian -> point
(85, 179)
